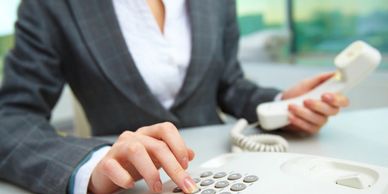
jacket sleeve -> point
(238, 96)
(32, 154)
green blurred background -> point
(321, 28)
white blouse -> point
(161, 58)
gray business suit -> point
(79, 42)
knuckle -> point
(133, 147)
(142, 129)
(335, 111)
(178, 170)
(126, 135)
(161, 147)
(105, 165)
(168, 126)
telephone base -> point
(285, 173)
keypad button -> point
(221, 184)
(196, 180)
(250, 179)
(207, 182)
(234, 176)
(226, 193)
(177, 190)
(209, 191)
(206, 174)
(219, 175)
(238, 187)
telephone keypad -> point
(219, 175)
(209, 191)
(206, 174)
(250, 179)
(207, 182)
(234, 176)
(238, 187)
(197, 180)
(222, 183)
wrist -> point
(100, 183)
(83, 174)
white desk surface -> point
(360, 136)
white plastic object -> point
(290, 173)
(353, 181)
(255, 143)
(353, 64)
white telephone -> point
(354, 64)
(285, 173)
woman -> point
(131, 64)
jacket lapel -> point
(100, 29)
(203, 43)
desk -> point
(360, 136)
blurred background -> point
(303, 32)
(282, 41)
(310, 32)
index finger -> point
(168, 133)
(171, 166)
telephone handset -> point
(353, 64)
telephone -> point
(354, 64)
(285, 173)
(258, 169)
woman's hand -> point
(140, 154)
(315, 113)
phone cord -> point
(255, 143)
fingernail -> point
(329, 97)
(158, 186)
(131, 185)
(185, 162)
(190, 186)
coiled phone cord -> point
(255, 143)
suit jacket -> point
(79, 42)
